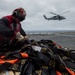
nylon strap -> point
(6, 73)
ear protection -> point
(19, 13)
(15, 13)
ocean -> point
(65, 38)
(51, 32)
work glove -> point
(20, 37)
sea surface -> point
(50, 32)
(65, 38)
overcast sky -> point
(37, 8)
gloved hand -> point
(20, 37)
(26, 37)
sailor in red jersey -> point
(10, 26)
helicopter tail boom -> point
(46, 17)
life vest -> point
(12, 24)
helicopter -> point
(56, 17)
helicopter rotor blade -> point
(65, 12)
(53, 13)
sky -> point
(35, 10)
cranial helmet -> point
(19, 13)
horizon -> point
(49, 30)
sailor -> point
(10, 26)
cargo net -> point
(44, 57)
